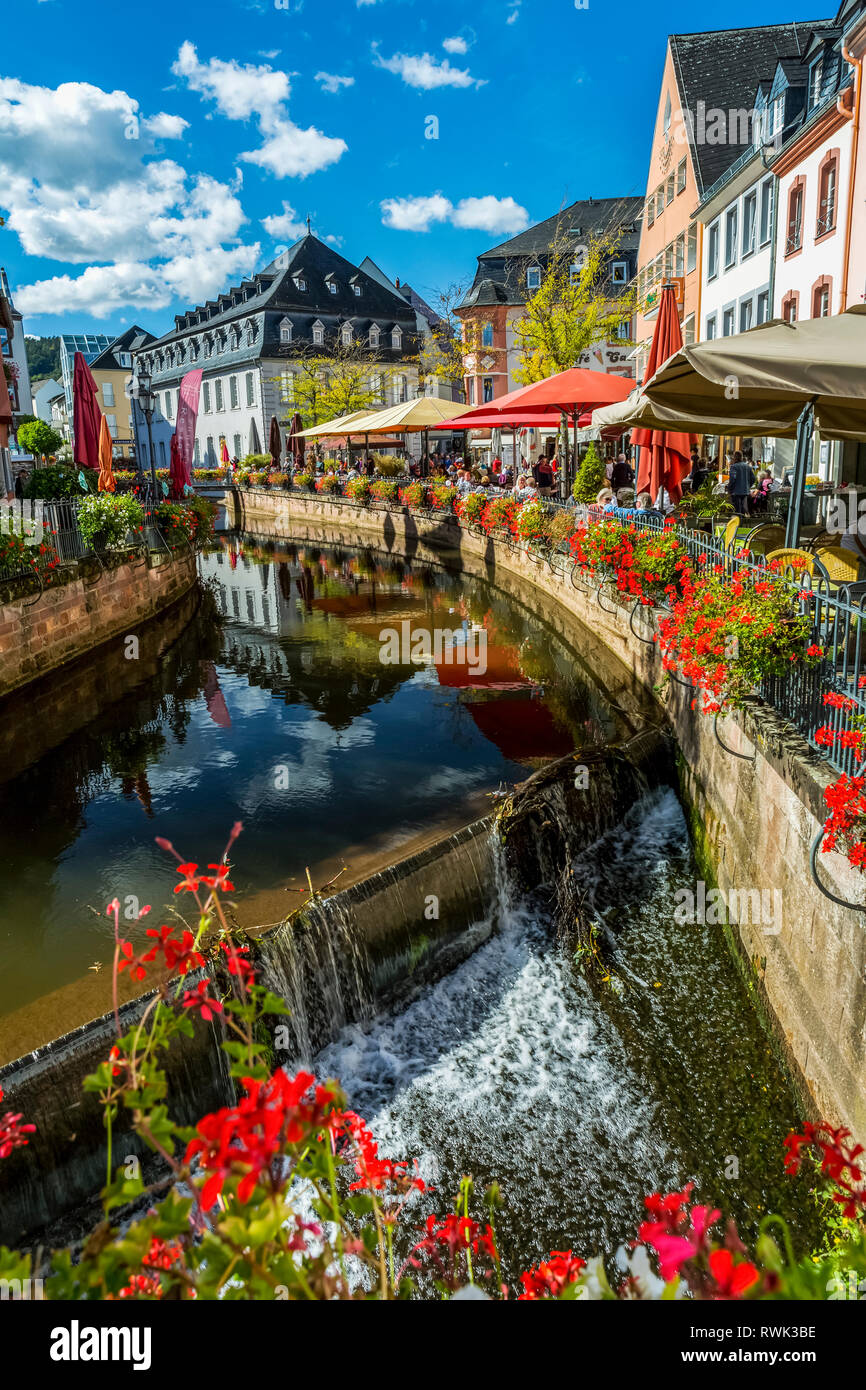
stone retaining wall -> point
(40, 636)
(753, 816)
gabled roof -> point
(133, 340)
(590, 214)
(722, 69)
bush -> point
(105, 519)
(384, 489)
(388, 467)
(55, 482)
(591, 477)
(255, 463)
(304, 481)
(38, 438)
(358, 489)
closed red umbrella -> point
(176, 472)
(294, 445)
(106, 481)
(664, 454)
(275, 442)
(86, 415)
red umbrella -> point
(295, 446)
(275, 443)
(664, 454)
(86, 415)
(177, 471)
(567, 393)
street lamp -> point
(147, 401)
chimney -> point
(396, 282)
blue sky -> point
(147, 163)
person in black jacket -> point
(622, 474)
(741, 480)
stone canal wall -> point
(42, 635)
(755, 805)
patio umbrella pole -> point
(802, 452)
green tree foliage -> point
(591, 477)
(38, 438)
(335, 380)
(43, 358)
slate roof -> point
(722, 68)
(133, 340)
(500, 276)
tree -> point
(591, 476)
(43, 358)
(575, 308)
(335, 379)
(38, 438)
(443, 353)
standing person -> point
(543, 473)
(621, 474)
(741, 480)
(19, 483)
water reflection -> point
(284, 716)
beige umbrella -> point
(639, 410)
(780, 378)
(335, 426)
(415, 415)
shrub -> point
(358, 489)
(177, 523)
(56, 482)
(384, 489)
(305, 481)
(389, 467)
(591, 477)
(106, 519)
(255, 463)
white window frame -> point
(533, 277)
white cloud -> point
(455, 45)
(499, 216)
(514, 11)
(165, 127)
(82, 183)
(285, 224)
(245, 90)
(332, 82)
(422, 70)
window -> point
(346, 335)
(713, 251)
(237, 446)
(821, 298)
(285, 330)
(332, 287)
(669, 261)
(400, 390)
(470, 394)
(168, 405)
(235, 336)
(533, 278)
(670, 188)
(251, 390)
(318, 334)
(778, 121)
(208, 347)
(487, 335)
(763, 307)
(689, 330)
(692, 250)
(711, 327)
(196, 451)
(205, 395)
(287, 382)
(750, 208)
(619, 272)
(815, 83)
(487, 389)
(162, 452)
(789, 306)
(660, 200)
(766, 229)
(107, 394)
(209, 450)
(234, 398)
(218, 394)
(356, 290)
(728, 323)
(623, 329)
(374, 335)
(794, 240)
(300, 283)
(731, 220)
(681, 176)
(251, 333)
(193, 350)
(826, 197)
(679, 256)
(650, 211)
(397, 338)
(746, 312)
(111, 422)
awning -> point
(425, 412)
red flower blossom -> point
(732, 1280)
(190, 879)
(199, 998)
(12, 1132)
(219, 879)
(548, 1279)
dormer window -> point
(815, 82)
(619, 272)
(299, 283)
(193, 350)
(346, 334)
(332, 286)
(285, 330)
(533, 278)
(374, 335)
(251, 333)
(318, 333)
(396, 338)
(356, 290)
(235, 337)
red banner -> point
(187, 414)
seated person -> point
(644, 507)
(606, 500)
